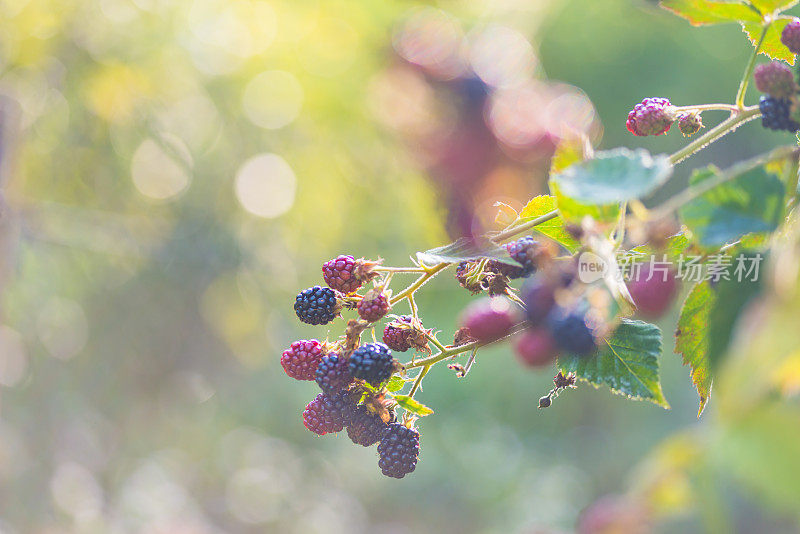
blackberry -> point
(373, 306)
(332, 373)
(489, 319)
(301, 359)
(523, 250)
(539, 299)
(365, 427)
(535, 348)
(776, 79)
(340, 274)
(775, 114)
(372, 362)
(395, 335)
(317, 305)
(398, 450)
(690, 123)
(790, 36)
(328, 413)
(653, 292)
(571, 331)
(653, 116)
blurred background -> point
(175, 171)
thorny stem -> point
(421, 281)
(524, 227)
(452, 351)
(748, 71)
(714, 134)
(400, 269)
(418, 381)
(708, 107)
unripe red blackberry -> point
(398, 450)
(535, 348)
(776, 79)
(328, 413)
(301, 359)
(790, 36)
(373, 306)
(332, 373)
(396, 336)
(690, 123)
(489, 319)
(539, 298)
(339, 274)
(365, 427)
(371, 362)
(317, 305)
(653, 116)
(571, 331)
(653, 290)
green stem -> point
(714, 134)
(687, 195)
(524, 227)
(429, 273)
(792, 170)
(748, 71)
(418, 381)
(709, 107)
(400, 269)
(448, 353)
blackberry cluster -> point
(317, 305)
(301, 359)
(365, 428)
(775, 114)
(333, 373)
(372, 362)
(398, 450)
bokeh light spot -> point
(62, 327)
(272, 99)
(160, 171)
(265, 185)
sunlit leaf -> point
(395, 383)
(770, 6)
(465, 249)
(412, 405)
(573, 211)
(554, 228)
(700, 12)
(772, 46)
(691, 338)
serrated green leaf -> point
(771, 6)
(627, 362)
(613, 176)
(573, 211)
(554, 228)
(772, 46)
(395, 383)
(701, 12)
(750, 203)
(465, 249)
(691, 338)
(412, 405)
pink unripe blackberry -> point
(652, 116)
(489, 319)
(301, 359)
(373, 306)
(775, 79)
(535, 348)
(328, 413)
(653, 290)
(790, 36)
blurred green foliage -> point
(143, 317)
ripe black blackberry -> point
(365, 427)
(522, 250)
(328, 413)
(317, 305)
(395, 335)
(332, 373)
(372, 362)
(398, 450)
(301, 359)
(775, 114)
(571, 332)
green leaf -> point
(570, 151)
(627, 362)
(700, 12)
(676, 245)
(573, 211)
(772, 46)
(395, 383)
(732, 297)
(691, 338)
(554, 228)
(771, 6)
(412, 405)
(465, 249)
(751, 202)
(613, 176)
